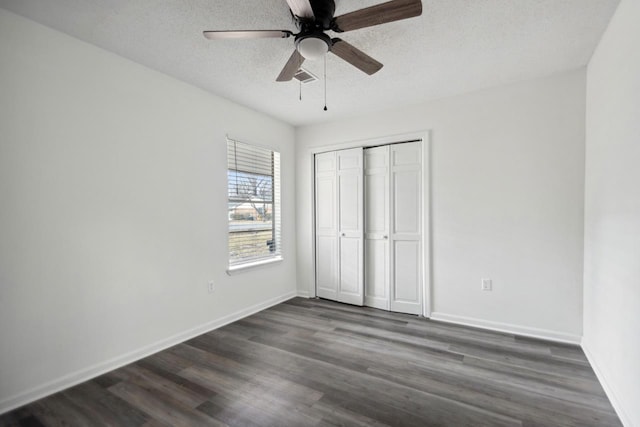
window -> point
(253, 177)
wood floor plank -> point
(167, 362)
(58, 410)
(104, 406)
(235, 413)
(333, 415)
(190, 387)
(161, 407)
(310, 362)
(19, 417)
(283, 401)
(589, 387)
(152, 381)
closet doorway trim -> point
(425, 138)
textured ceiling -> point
(456, 46)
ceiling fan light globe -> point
(312, 48)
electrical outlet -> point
(212, 287)
(486, 285)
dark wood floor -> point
(319, 363)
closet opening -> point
(369, 226)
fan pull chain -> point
(325, 83)
(299, 65)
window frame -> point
(233, 169)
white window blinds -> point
(253, 177)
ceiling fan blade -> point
(301, 8)
(394, 10)
(355, 56)
(291, 67)
(248, 34)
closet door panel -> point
(326, 163)
(406, 229)
(376, 254)
(350, 272)
(327, 267)
(350, 226)
(325, 207)
(406, 191)
(376, 200)
(326, 223)
(407, 272)
(350, 188)
(376, 274)
(407, 154)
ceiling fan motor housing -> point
(323, 11)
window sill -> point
(252, 265)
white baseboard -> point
(302, 294)
(615, 402)
(508, 328)
(82, 375)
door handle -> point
(385, 237)
(343, 234)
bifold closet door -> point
(326, 226)
(406, 227)
(393, 227)
(376, 227)
(339, 226)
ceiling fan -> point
(314, 17)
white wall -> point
(112, 210)
(507, 201)
(612, 212)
